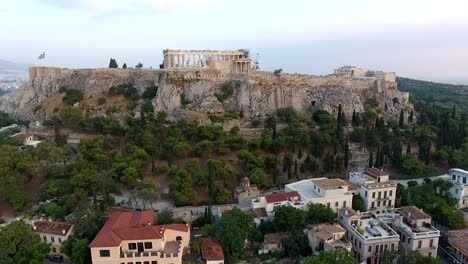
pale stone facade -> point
(53, 233)
(459, 190)
(226, 61)
(333, 193)
(377, 191)
(327, 237)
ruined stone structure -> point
(224, 61)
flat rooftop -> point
(375, 228)
(305, 188)
(330, 183)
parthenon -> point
(226, 61)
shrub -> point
(360, 230)
(231, 114)
(161, 169)
(216, 118)
(358, 135)
(184, 100)
(72, 96)
(226, 91)
(150, 92)
(101, 101)
(62, 89)
(127, 90)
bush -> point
(358, 135)
(216, 118)
(150, 92)
(62, 89)
(226, 91)
(72, 96)
(372, 103)
(184, 100)
(127, 90)
(161, 169)
(231, 114)
(101, 101)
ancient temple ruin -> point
(224, 61)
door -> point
(140, 247)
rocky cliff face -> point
(256, 95)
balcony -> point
(146, 254)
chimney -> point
(64, 232)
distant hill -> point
(445, 95)
(13, 69)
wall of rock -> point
(257, 95)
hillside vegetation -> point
(440, 94)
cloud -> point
(129, 6)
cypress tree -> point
(371, 159)
(377, 158)
(353, 118)
(454, 111)
(410, 118)
(381, 157)
(124, 66)
(401, 122)
(408, 148)
(113, 63)
(346, 155)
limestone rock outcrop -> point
(191, 94)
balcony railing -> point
(158, 254)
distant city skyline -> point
(417, 39)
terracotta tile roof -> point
(347, 211)
(330, 183)
(211, 249)
(131, 226)
(459, 239)
(413, 212)
(275, 238)
(374, 172)
(51, 227)
(260, 212)
(281, 197)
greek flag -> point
(42, 56)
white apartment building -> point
(459, 190)
(370, 237)
(334, 193)
(414, 227)
(264, 207)
(377, 191)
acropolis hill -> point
(190, 82)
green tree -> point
(258, 177)
(124, 66)
(288, 218)
(340, 255)
(232, 230)
(319, 213)
(358, 202)
(113, 63)
(19, 245)
(182, 189)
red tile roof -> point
(281, 197)
(51, 227)
(131, 226)
(211, 249)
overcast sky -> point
(424, 39)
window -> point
(319, 190)
(104, 253)
(409, 239)
(454, 177)
(328, 205)
(148, 245)
(464, 180)
(370, 249)
(60, 240)
(154, 262)
(389, 202)
(385, 194)
(372, 206)
(132, 246)
(392, 246)
(391, 193)
(336, 204)
(366, 194)
(45, 239)
(315, 187)
(146, 262)
(431, 243)
(384, 202)
(380, 195)
(419, 244)
(359, 244)
(378, 203)
(52, 239)
(344, 203)
(386, 247)
(429, 254)
(54, 249)
(373, 195)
